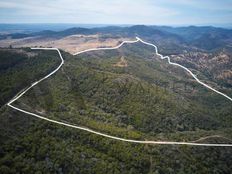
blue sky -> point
(153, 12)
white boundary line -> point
(102, 134)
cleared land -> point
(71, 44)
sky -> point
(148, 12)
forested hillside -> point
(21, 67)
(130, 93)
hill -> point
(147, 99)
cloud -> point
(113, 11)
(217, 5)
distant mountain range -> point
(207, 38)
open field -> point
(71, 44)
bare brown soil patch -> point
(71, 44)
(121, 63)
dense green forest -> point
(20, 67)
(147, 100)
(148, 95)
